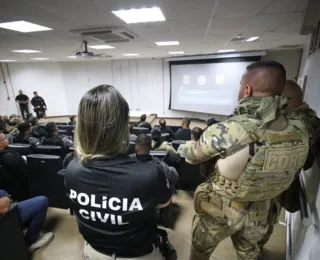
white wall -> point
(145, 83)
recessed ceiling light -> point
(142, 15)
(176, 52)
(251, 39)
(39, 58)
(72, 57)
(7, 60)
(26, 51)
(168, 43)
(130, 54)
(101, 47)
(227, 50)
(23, 26)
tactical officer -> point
(39, 105)
(259, 151)
(23, 101)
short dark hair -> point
(196, 132)
(186, 120)
(3, 126)
(34, 121)
(211, 121)
(72, 118)
(50, 128)
(23, 127)
(34, 92)
(143, 117)
(143, 141)
(162, 122)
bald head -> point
(262, 79)
(294, 94)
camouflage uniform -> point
(260, 152)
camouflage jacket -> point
(312, 123)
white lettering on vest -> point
(82, 212)
(125, 205)
(104, 219)
(86, 200)
(120, 221)
(73, 194)
(111, 204)
(104, 202)
(93, 202)
(136, 205)
(93, 216)
(113, 219)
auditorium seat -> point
(68, 128)
(61, 123)
(22, 149)
(158, 154)
(189, 175)
(132, 148)
(45, 180)
(140, 130)
(176, 143)
(49, 150)
(12, 246)
(173, 128)
(62, 132)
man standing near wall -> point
(39, 105)
(23, 101)
(259, 151)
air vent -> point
(107, 34)
(289, 46)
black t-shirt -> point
(183, 134)
(38, 101)
(114, 200)
(166, 130)
(22, 97)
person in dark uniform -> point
(164, 128)
(38, 131)
(143, 123)
(184, 133)
(23, 101)
(72, 120)
(39, 105)
(113, 196)
(53, 137)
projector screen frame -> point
(205, 61)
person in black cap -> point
(143, 123)
(23, 101)
(39, 105)
(53, 137)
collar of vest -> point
(303, 111)
(105, 160)
(264, 109)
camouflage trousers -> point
(216, 220)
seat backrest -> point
(140, 130)
(68, 128)
(12, 244)
(61, 123)
(176, 143)
(22, 149)
(158, 154)
(49, 149)
(63, 132)
(131, 148)
(44, 180)
(189, 174)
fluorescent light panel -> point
(26, 51)
(23, 26)
(251, 39)
(142, 15)
(71, 57)
(227, 50)
(167, 43)
(176, 52)
(39, 58)
(7, 60)
(101, 47)
(130, 54)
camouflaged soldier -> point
(259, 151)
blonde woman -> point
(114, 197)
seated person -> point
(36, 129)
(184, 133)
(133, 137)
(32, 213)
(143, 147)
(4, 129)
(121, 194)
(143, 123)
(24, 136)
(165, 129)
(158, 144)
(5, 118)
(53, 137)
(195, 136)
(72, 120)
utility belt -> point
(209, 202)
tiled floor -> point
(68, 244)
